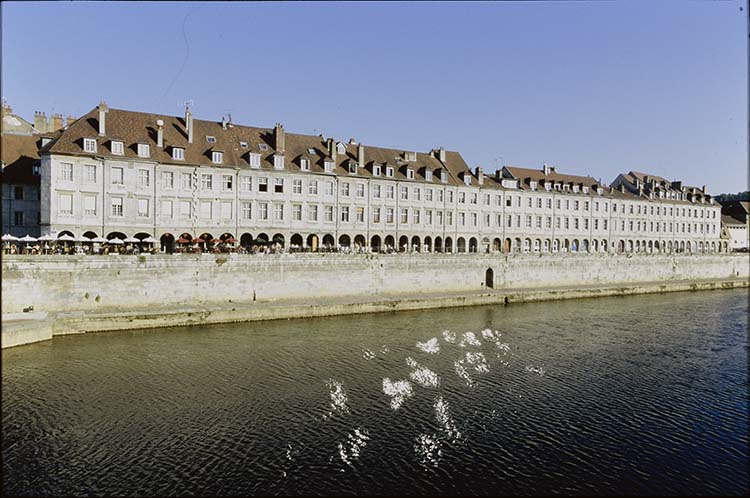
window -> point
(461, 219)
(142, 208)
(487, 199)
(509, 201)
(528, 221)
(296, 212)
(254, 160)
(345, 213)
(389, 172)
(186, 209)
(304, 164)
(376, 191)
(462, 197)
(539, 203)
(312, 213)
(428, 217)
(329, 214)
(144, 178)
(66, 203)
(312, 187)
(226, 210)
(404, 215)
(262, 184)
(116, 206)
(36, 170)
(345, 189)
(66, 172)
(417, 193)
(18, 192)
(210, 139)
(227, 182)
(144, 150)
(246, 183)
(473, 219)
(278, 161)
(450, 196)
(89, 205)
(409, 174)
(207, 181)
(360, 215)
(428, 175)
(360, 189)
(89, 145)
(376, 170)
(428, 195)
(217, 157)
(376, 215)
(187, 181)
(328, 166)
(296, 186)
(311, 151)
(329, 188)
(178, 153)
(243, 144)
(404, 193)
(473, 198)
(117, 148)
(389, 215)
(206, 210)
(575, 223)
(278, 212)
(247, 210)
(586, 206)
(538, 222)
(352, 168)
(263, 147)
(167, 209)
(390, 191)
(167, 179)
(575, 205)
(467, 180)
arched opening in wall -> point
(566, 245)
(621, 246)
(295, 243)
(329, 242)
(68, 233)
(89, 235)
(630, 246)
(556, 245)
(448, 244)
(428, 244)
(246, 240)
(166, 243)
(461, 245)
(689, 247)
(226, 238)
(518, 245)
(403, 243)
(700, 246)
(537, 245)
(496, 244)
(312, 242)
(389, 242)
(375, 243)
(725, 246)
(205, 241)
(185, 239)
(359, 241)
(141, 236)
(489, 278)
(603, 246)
(416, 245)
(526, 245)
(547, 245)
(585, 245)
(278, 239)
(713, 246)
(574, 246)
(595, 245)
(472, 244)
(507, 246)
(438, 244)
(486, 245)
(344, 240)
(656, 246)
(637, 246)
(650, 246)
(262, 239)
(669, 246)
(682, 246)
(112, 235)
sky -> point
(592, 88)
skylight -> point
(263, 146)
(311, 151)
(210, 139)
(243, 145)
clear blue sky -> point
(593, 88)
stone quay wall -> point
(89, 284)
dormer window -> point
(389, 171)
(210, 139)
(352, 168)
(410, 156)
(117, 148)
(89, 145)
(254, 160)
(340, 148)
(467, 179)
(376, 170)
(557, 186)
(566, 188)
(532, 184)
(144, 150)
(547, 186)
(585, 190)
(428, 175)
(575, 189)
(304, 164)
(444, 176)
(599, 190)
(45, 141)
(217, 157)
(278, 161)
(409, 173)
(328, 166)
(178, 153)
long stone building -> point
(120, 173)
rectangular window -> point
(254, 160)
(66, 203)
(509, 201)
(539, 222)
(440, 218)
(142, 208)
(304, 164)
(461, 219)
(178, 153)
(89, 145)
(404, 193)
(528, 221)
(440, 196)
(415, 217)
(487, 199)
(404, 215)
(345, 189)
(18, 192)
(390, 191)
(449, 218)
(66, 172)
(262, 184)
(328, 214)
(296, 186)
(217, 157)
(360, 189)
(312, 212)
(585, 223)
(548, 222)
(247, 210)
(575, 205)
(360, 215)
(207, 181)
(473, 198)
(186, 209)
(417, 193)
(539, 203)
(144, 150)
(89, 205)
(296, 212)
(226, 210)
(428, 217)
(117, 206)
(389, 215)
(278, 212)
(144, 178)
(450, 196)
(278, 162)
(227, 182)
(345, 213)
(187, 181)
(509, 220)
(376, 215)
(90, 172)
(167, 179)
(278, 186)
(473, 219)
(246, 183)
(329, 188)
(312, 187)
(167, 209)
(376, 191)
(462, 197)
(117, 148)
(206, 210)
(428, 195)
(575, 223)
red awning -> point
(183, 241)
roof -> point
(133, 128)
(19, 154)
(538, 175)
(731, 220)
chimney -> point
(159, 133)
(545, 169)
(352, 141)
(361, 155)
(278, 132)
(189, 124)
(332, 149)
(223, 123)
(7, 109)
(229, 122)
(40, 122)
(70, 120)
(442, 154)
(480, 175)
(703, 189)
(622, 188)
(103, 109)
(56, 123)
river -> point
(635, 395)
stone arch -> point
(496, 244)
(574, 245)
(112, 235)
(449, 244)
(595, 245)
(603, 245)
(90, 234)
(360, 241)
(527, 245)
(375, 243)
(461, 245)
(166, 243)
(537, 245)
(390, 242)
(345, 240)
(246, 240)
(328, 241)
(585, 245)
(312, 242)
(278, 239)
(403, 243)
(489, 278)
(518, 246)
(473, 244)
(507, 245)
(427, 242)
(556, 245)
(416, 244)
(296, 242)
(438, 244)
(547, 245)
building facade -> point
(735, 217)
(121, 173)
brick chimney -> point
(103, 110)
(280, 138)
(56, 122)
(361, 155)
(159, 133)
(189, 124)
(332, 149)
(480, 175)
(70, 120)
(40, 122)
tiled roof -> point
(19, 154)
(538, 175)
(731, 220)
(136, 127)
